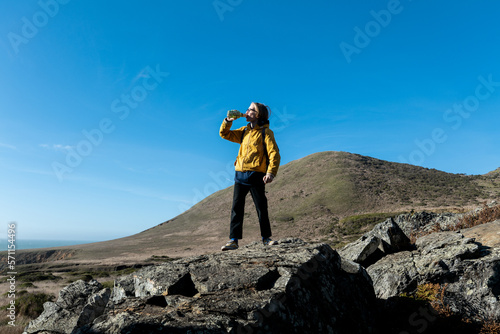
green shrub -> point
(108, 284)
(33, 276)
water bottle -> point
(233, 113)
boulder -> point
(79, 304)
(293, 287)
(426, 222)
(487, 235)
(385, 238)
(469, 270)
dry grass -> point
(437, 301)
(414, 235)
(434, 294)
(486, 215)
(29, 298)
(490, 327)
(33, 290)
(20, 322)
(18, 329)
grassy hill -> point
(312, 193)
(328, 196)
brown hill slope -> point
(310, 198)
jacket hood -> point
(262, 122)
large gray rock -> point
(385, 238)
(470, 271)
(426, 222)
(79, 304)
(293, 287)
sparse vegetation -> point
(33, 276)
(87, 275)
(332, 227)
(30, 305)
(125, 271)
(80, 276)
(486, 215)
(160, 258)
(490, 327)
(30, 297)
(285, 218)
(108, 284)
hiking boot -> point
(231, 244)
(269, 242)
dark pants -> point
(257, 190)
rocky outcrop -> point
(436, 257)
(426, 222)
(293, 287)
(394, 235)
(469, 269)
(466, 263)
(78, 305)
(385, 238)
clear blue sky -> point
(110, 110)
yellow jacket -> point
(251, 154)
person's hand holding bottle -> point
(233, 114)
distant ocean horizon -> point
(32, 244)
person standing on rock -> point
(256, 165)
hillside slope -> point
(311, 193)
(309, 199)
